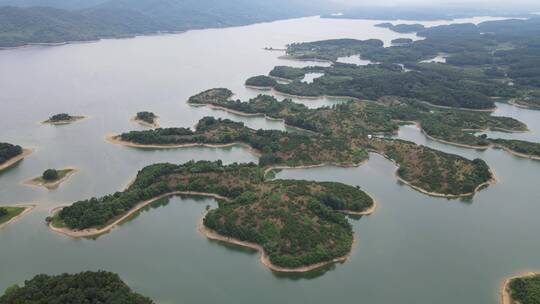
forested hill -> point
(115, 18)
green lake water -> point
(413, 249)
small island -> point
(10, 214)
(63, 119)
(84, 287)
(522, 289)
(296, 225)
(11, 154)
(145, 118)
(52, 178)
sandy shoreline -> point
(65, 122)
(52, 185)
(506, 297)
(265, 260)
(12, 161)
(144, 123)
(98, 231)
(113, 139)
(27, 209)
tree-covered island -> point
(297, 224)
(449, 175)
(63, 119)
(86, 287)
(522, 289)
(11, 154)
(146, 118)
(359, 119)
(479, 66)
(51, 178)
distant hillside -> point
(25, 25)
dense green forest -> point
(502, 63)
(358, 119)
(86, 287)
(146, 116)
(8, 151)
(344, 142)
(121, 18)
(275, 147)
(295, 221)
(3, 212)
(261, 81)
(525, 290)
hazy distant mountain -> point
(23, 25)
(63, 4)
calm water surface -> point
(414, 249)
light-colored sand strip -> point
(113, 138)
(265, 260)
(462, 109)
(506, 297)
(38, 182)
(27, 209)
(97, 231)
(144, 123)
(12, 161)
(65, 122)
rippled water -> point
(414, 249)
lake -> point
(413, 249)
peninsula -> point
(10, 214)
(430, 171)
(63, 119)
(297, 224)
(11, 154)
(52, 178)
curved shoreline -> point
(265, 260)
(506, 297)
(27, 209)
(112, 138)
(256, 153)
(12, 161)
(52, 185)
(89, 232)
(155, 124)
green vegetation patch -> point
(146, 116)
(525, 290)
(297, 222)
(519, 146)
(85, 287)
(261, 81)
(8, 151)
(7, 213)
